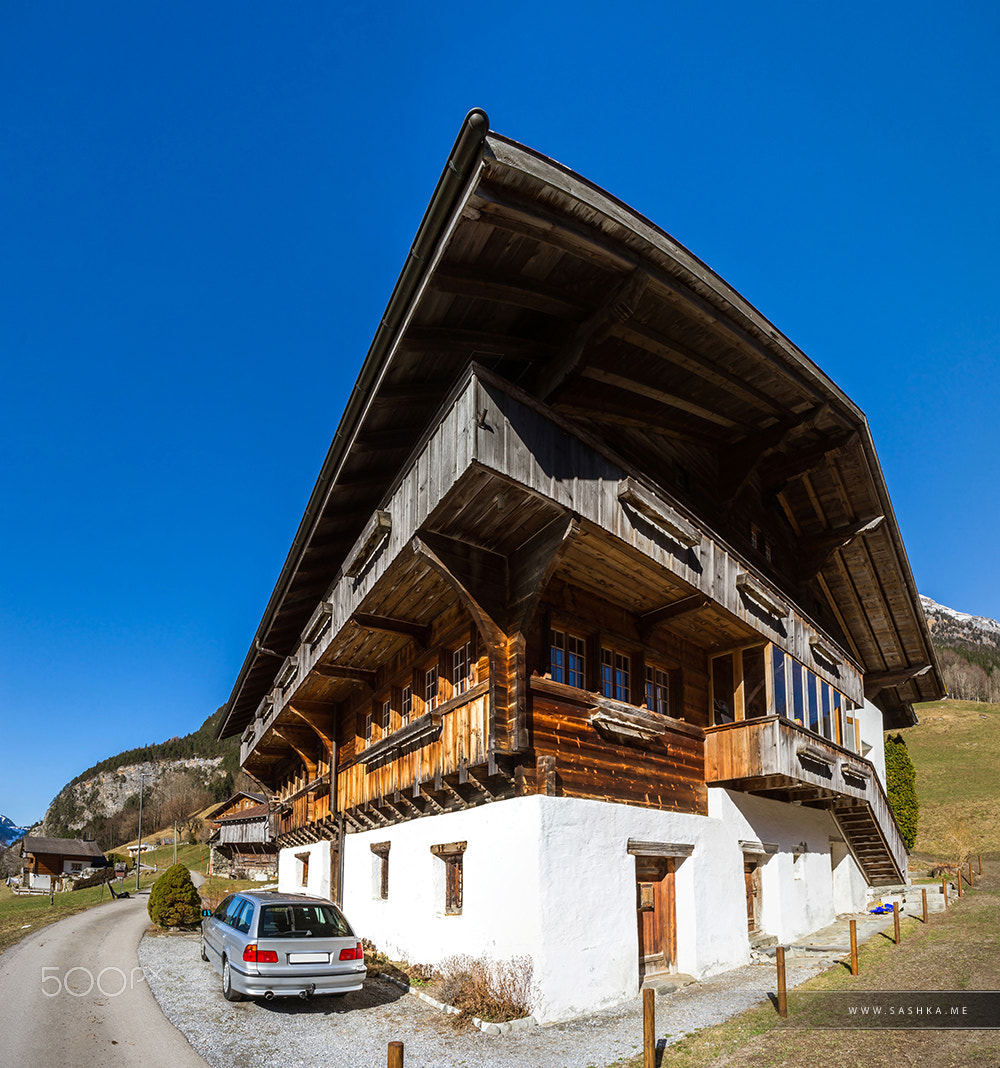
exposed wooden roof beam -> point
(343, 671)
(531, 219)
(288, 737)
(481, 343)
(624, 416)
(816, 550)
(779, 471)
(877, 681)
(674, 352)
(675, 610)
(658, 396)
(739, 459)
(322, 725)
(390, 625)
(476, 575)
(465, 283)
(617, 307)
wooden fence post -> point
(944, 890)
(854, 947)
(972, 878)
(782, 996)
(960, 880)
(895, 920)
(923, 894)
(648, 1029)
(980, 863)
(395, 1055)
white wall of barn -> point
(551, 878)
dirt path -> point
(73, 993)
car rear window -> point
(302, 921)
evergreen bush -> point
(174, 901)
(901, 778)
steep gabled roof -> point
(530, 270)
(65, 847)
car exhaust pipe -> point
(304, 994)
(269, 995)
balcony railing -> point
(777, 758)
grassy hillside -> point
(956, 752)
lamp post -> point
(138, 851)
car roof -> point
(273, 897)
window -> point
(368, 726)
(380, 856)
(461, 669)
(302, 860)
(657, 690)
(406, 704)
(723, 685)
(431, 688)
(452, 855)
(615, 675)
(244, 918)
(568, 659)
(386, 717)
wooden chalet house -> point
(46, 859)
(244, 837)
(587, 639)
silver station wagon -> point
(266, 944)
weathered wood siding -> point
(667, 772)
(462, 744)
(520, 441)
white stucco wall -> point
(872, 734)
(551, 878)
(320, 875)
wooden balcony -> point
(774, 757)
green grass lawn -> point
(955, 749)
(956, 950)
(20, 915)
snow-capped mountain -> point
(9, 833)
(949, 627)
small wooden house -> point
(244, 837)
(587, 639)
(46, 859)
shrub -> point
(492, 990)
(174, 901)
(901, 778)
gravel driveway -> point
(354, 1031)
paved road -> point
(73, 993)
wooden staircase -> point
(872, 835)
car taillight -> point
(353, 954)
(259, 956)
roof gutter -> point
(466, 154)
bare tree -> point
(181, 797)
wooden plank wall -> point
(665, 773)
(463, 743)
(526, 444)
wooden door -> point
(654, 879)
(751, 877)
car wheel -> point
(204, 955)
(227, 983)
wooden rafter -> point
(512, 291)
(778, 471)
(619, 306)
(344, 671)
(877, 681)
(816, 550)
(419, 632)
(738, 461)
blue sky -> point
(207, 205)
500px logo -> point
(111, 982)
